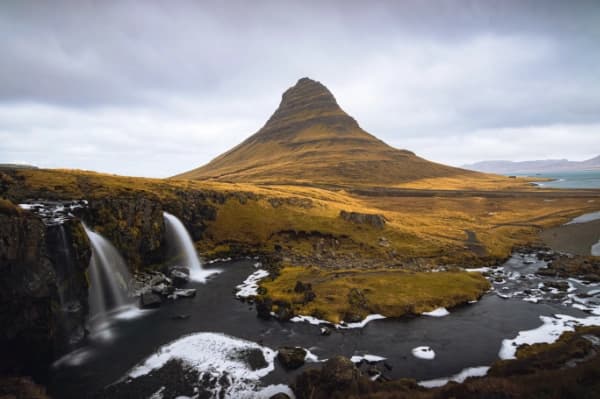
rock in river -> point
(290, 357)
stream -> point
(470, 336)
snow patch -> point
(250, 286)
(423, 352)
(548, 332)
(460, 377)
(439, 312)
(216, 354)
(588, 217)
(342, 325)
(367, 358)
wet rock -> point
(264, 307)
(291, 357)
(179, 277)
(280, 395)
(149, 300)
(253, 357)
(187, 293)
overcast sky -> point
(154, 88)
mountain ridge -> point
(535, 166)
(310, 139)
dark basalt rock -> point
(291, 357)
(338, 378)
(134, 225)
(36, 274)
(253, 357)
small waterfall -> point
(182, 246)
(108, 278)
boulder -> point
(179, 277)
(291, 357)
(181, 293)
(337, 378)
(149, 300)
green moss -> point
(393, 293)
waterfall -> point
(182, 246)
(108, 278)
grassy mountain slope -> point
(311, 140)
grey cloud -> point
(202, 76)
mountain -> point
(541, 166)
(310, 139)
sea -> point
(579, 179)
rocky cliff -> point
(42, 308)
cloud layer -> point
(157, 88)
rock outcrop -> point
(338, 378)
(42, 309)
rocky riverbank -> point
(568, 368)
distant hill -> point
(310, 139)
(16, 166)
(548, 165)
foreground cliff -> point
(43, 306)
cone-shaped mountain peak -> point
(309, 139)
(307, 102)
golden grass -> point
(426, 231)
(393, 293)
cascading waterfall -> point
(182, 246)
(108, 279)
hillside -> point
(537, 166)
(311, 140)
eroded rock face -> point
(133, 225)
(42, 308)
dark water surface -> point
(470, 336)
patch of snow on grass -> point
(439, 312)
(548, 332)
(460, 377)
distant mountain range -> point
(310, 139)
(540, 166)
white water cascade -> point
(182, 246)
(109, 279)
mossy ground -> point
(393, 293)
